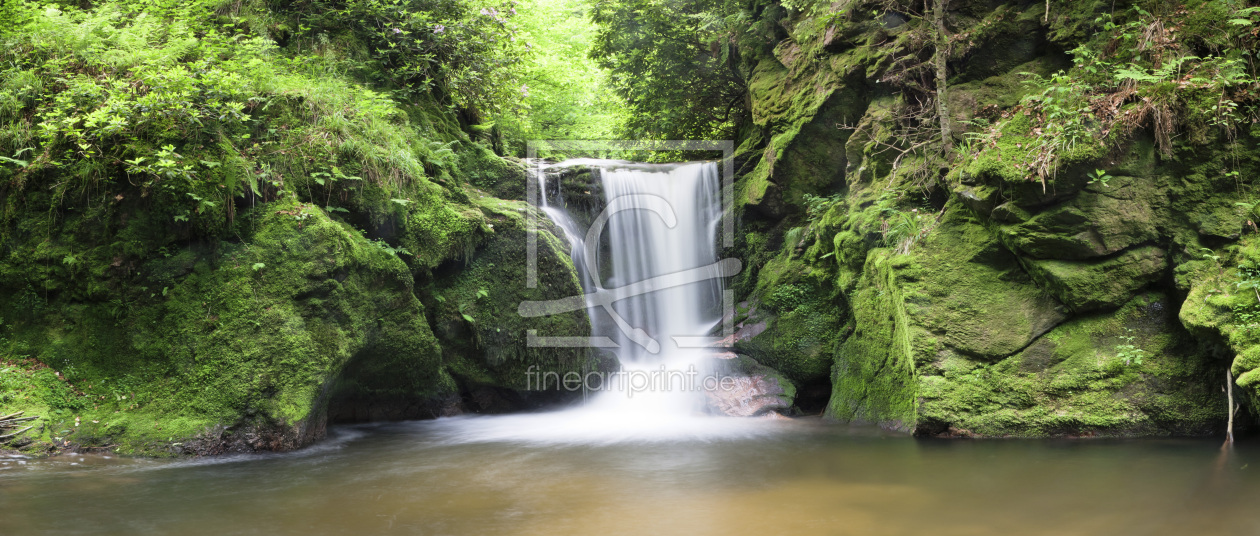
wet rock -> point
(748, 331)
(742, 387)
(978, 198)
(746, 396)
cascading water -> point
(660, 224)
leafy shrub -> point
(466, 50)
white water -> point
(662, 224)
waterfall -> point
(659, 222)
(643, 246)
(649, 264)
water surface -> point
(465, 476)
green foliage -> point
(567, 95)
(467, 50)
(9, 383)
(1162, 71)
(1128, 353)
(1246, 317)
(1100, 177)
(675, 64)
(902, 228)
(1064, 120)
(1251, 210)
(1248, 278)
(151, 123)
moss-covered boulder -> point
(1131, 372)
(873, 375)
(233, 346)
(974, 294)
(475, 308)
(1223, 307)
(1103, 284)
(1100, 221)
(794, 325)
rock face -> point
(960, 298)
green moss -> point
(1106, 284)
(802, 315)
(974, 293)
(1222, 307)
(1014, 143)
(1072, 382)
(873, 377)
(1099, 221)
(234, 336)
(475, 312)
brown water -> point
(800, 477)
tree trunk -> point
(942, 84)
(1229, 388)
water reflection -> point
(809, 478)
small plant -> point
(1251, 212)
(1209, 255)
(10, 382)
(1246, 318)
(901, 229)
(1249, 279)
(384, 246)
(1099, 176)
(1128, 352)
(978, 136)
(786, 298)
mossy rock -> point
(1100, 221)
(1002, 42)
(974, 294)
(1105, 284)
(240, 347)
(504, 178)
(1084, 378)
(873, 376)
(1003, 315)
(802, 328)
(1223, 308)
(475, 308)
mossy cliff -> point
(211, 242)
(1029, 281)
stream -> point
(804, 476)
